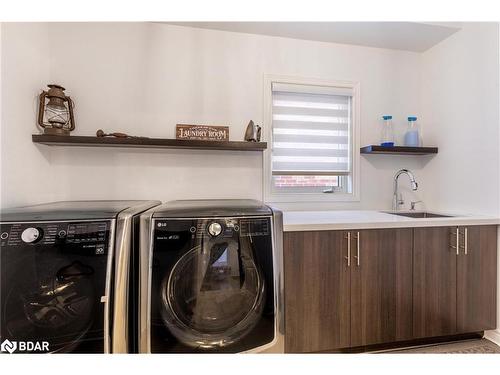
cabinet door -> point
(316, 291)
(434, 282)
(476, 279)
(381, 286)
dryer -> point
(65, 275)
(210, 278)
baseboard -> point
(493, 336)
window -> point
(312, 134)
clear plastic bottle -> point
(387, 139)
(412, 136)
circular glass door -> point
(213, 295)
(56, 304)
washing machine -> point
(210, 278)
(65, 284)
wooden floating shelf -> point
(76, 140)
(399, 150)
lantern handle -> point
(71, 118)
(41, 105)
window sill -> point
(317, 198)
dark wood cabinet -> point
(317, 291)
(345, 289)
(358, 288)
(434, 282)
(476, 278)
(454, 280)
(381, 287)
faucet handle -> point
(413, 203)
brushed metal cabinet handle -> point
(464, 245)
(457, 241)
(465, 241)
(348, 257)
(357, 250)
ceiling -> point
(409, 36)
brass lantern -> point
(55, 111)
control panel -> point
(85, 236)
(173, 230)
(255, 227)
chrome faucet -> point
(397, 199)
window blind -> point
(311, 130)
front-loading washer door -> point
(51, 286)
(212, 294)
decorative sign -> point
(202, 132)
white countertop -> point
(339, 220)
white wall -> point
(460, 102)
(143, 78)
(26, 171)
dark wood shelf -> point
(399, 150)
(75, 140)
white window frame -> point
(275, 197)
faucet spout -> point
(398, 201)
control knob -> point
(30, 235)
(214, 229)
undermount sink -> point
(418, 215)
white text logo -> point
(24, 346)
